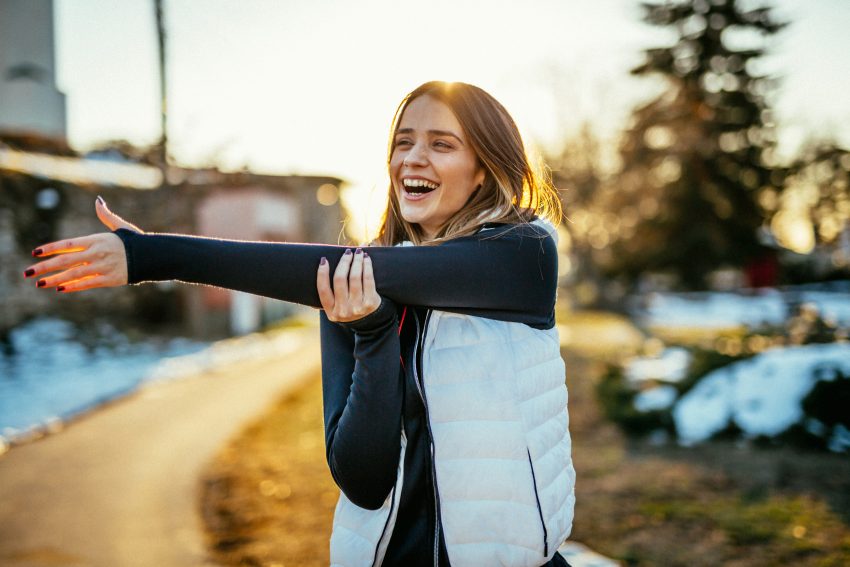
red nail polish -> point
(29, 272)
(323, 261)
(41, 283)
(60, 288)
(37, 252)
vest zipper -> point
(384, 531)
(417, 359)
(389, 516)
(539, 508)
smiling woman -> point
(461, 132)
(443, 387)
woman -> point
(444, 394)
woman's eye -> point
(441, 144)
(402, 142)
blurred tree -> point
(577, 172)
(819, 182)
(697, 159)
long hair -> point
(512, 192)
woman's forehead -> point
(426, 113)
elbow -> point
(364, 491)
(365, 501)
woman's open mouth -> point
(417, 188)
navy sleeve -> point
(508, 272)
(363, 395)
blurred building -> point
(29, 99)
(46, 197)
(47, 192)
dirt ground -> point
(268, 498)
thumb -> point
(110, 219)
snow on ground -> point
(670, 366)
(752, 308)
(49, 373)
(762, 395)
(716, 309)
(657, 398)
(832, 305)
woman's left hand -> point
(354, 294)
(86, 262)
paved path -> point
(119, 488)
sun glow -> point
(67, 250)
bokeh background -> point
(701, 149)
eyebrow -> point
(433, 132)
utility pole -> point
(163, 98)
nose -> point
(415, 156)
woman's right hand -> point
(354, 294)
(87, 262)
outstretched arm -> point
(507, 272)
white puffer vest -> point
(496, 401)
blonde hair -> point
(512, 192)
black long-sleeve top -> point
(503, 272)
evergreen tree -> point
(694, 159)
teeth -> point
(420, 183)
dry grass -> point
(268, 497)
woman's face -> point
(432, 167)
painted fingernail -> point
(100, 200)
(323, 261)
(348, 251)
(60, 288)
(29, 273)
(365, 254)
(358, 251)
(41, 283)
(37, 252)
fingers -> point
(110, 219)
(354, 292)
(101, 254)
(64, 246)
(76, 273)
(88, 282)
(368, 275)
(341, 277)
(323, 284)
(355, 279)
(60, 262)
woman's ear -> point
(480, 176)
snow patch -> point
(762, 395)
(717, 310)
(657, 398)
(670, 366)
